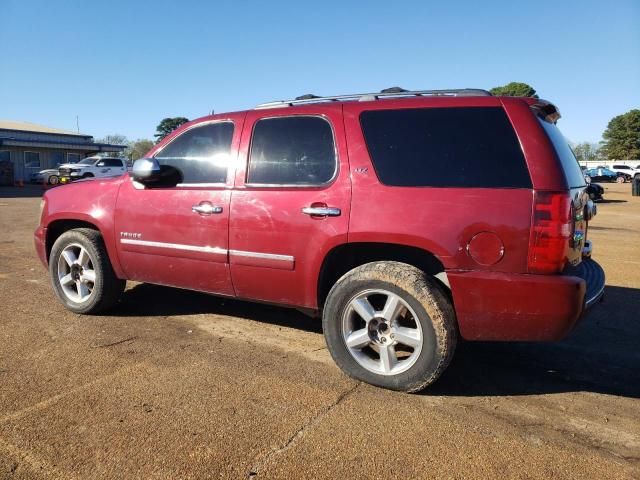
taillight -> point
(550, 232)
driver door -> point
(178, 235)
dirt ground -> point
(175, 384)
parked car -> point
(344, 207)
(89, 167)
(49, 176)
(595, 191)
(601, 174)
(626, 170)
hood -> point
(73, 165)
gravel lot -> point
(175, 384)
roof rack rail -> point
(365, 97)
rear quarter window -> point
(445, 147)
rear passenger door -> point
(290, 204)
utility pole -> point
(77, 124)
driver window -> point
(201, 154)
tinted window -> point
(112, 162)
(201, 154)
(292, 151)
(568, 160)
(445, 147)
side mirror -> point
(150, 173)
(145, 170)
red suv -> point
(407, 219)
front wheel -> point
(53, 180)
(620, 179)
(389, 324)
(81, 273)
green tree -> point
(622, 137)
(586, 152)
(168, 125)
(139, 148)
(515, 89)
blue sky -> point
(122, 66)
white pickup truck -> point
(92, 167)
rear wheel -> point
(81, 273)
(620, 179)
(389, 324)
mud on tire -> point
(360, 337)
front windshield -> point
(86, 161)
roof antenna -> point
(212, 112)
(308, 96)
(394, 90)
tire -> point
(425, 320)
(587, 178)
(53, 180)
(83, 282)
(620, 179)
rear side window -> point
(295, 150)
(201, 154)
(112, 162)
(570, 165)
(445, 147)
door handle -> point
(206, 208)
(322, 211)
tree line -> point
(620, 140)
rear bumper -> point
(593, 275)
(39, 240)
(521, 307)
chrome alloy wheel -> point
(76, 273)
(382, 332)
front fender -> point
(91, 202)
